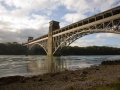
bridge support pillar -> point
(53, 26)
(50, 44)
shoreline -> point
(87, 78)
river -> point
(39, 64)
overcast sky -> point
(22, 18)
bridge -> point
(57, 38)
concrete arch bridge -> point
(57, 38)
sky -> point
(20, 19)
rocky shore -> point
(85, 79)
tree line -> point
(15, 48)
(91, 50)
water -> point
(39, 64)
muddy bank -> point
(117, 62)
(88, 78)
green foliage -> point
(37, 50)
(92, 50)
(71, 88)
(112, 86)
(18, 49)
(12, 49)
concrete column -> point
(54, 25)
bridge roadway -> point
(57, 38)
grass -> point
(112, 86)
(72, 88)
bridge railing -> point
(41, 37)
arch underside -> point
(40, 44)
(73, 36)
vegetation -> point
(12, 49)
(112, 86)
(18, 49)
(37, 50)
(92, 50)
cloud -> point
(29, 5)
(73, 17)
(18, 29)
(21, 21)
(86, 8)
(31, 17)
(14, 23)
(20, 35)
(107, 35)
(106, 39)
(114, 45)
(84, 43)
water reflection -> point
(47, 65)
(34, 65)
(57, 64)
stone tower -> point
(54, 25)
(30, 38)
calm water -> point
(33, 65)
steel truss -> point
(66, 39)
(105, 22)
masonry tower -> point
(54, 25)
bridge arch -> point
(83, 33)
(57, 38)
(34, 45)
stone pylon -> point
(54, 25)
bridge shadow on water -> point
(31, 65)
(47, 65)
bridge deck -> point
(96, 19)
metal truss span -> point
(67, 38)
(57, 38)
(76, 36)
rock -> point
(23, 80)
(40, 79)
(84, 72)
(97, 69)
(65, 78)
(11, 79)
(116, 62)
(54, 74)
